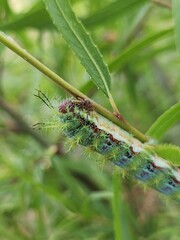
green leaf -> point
(36, 17)
(176, 11)
(135, 47)
(112, 10)
(165, 121)
(5, 6)
(169, 152)
(80, 42)
(121, 216)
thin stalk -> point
(116, 207)
(111, 100)
(118, 120)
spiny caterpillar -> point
(92, 130)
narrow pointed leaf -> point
(176, 11)
(164, 122)
(137, 46)
(169, 152)
(115, 9)
(78, 39)
(36, 17)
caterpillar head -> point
(69, 105)
(66, 106)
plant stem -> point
(10, 43)
(116, 201)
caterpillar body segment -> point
(92, 130)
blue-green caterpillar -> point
(90, 129)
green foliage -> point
(36, 17)
(79, 40)
(136, 46)
(176, 7)
(111, 12)
(169, 118)
(49, 193)
(121, 218)
(169, 152)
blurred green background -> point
(47, 192)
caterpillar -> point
(82, 123)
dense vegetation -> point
(48, 192)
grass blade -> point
(169, 152)
(116, 207)
(36, 17)
(112, 10)
(176, 10)
(129, 52)
(121, 220)
(164, 122)
(80, 42)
